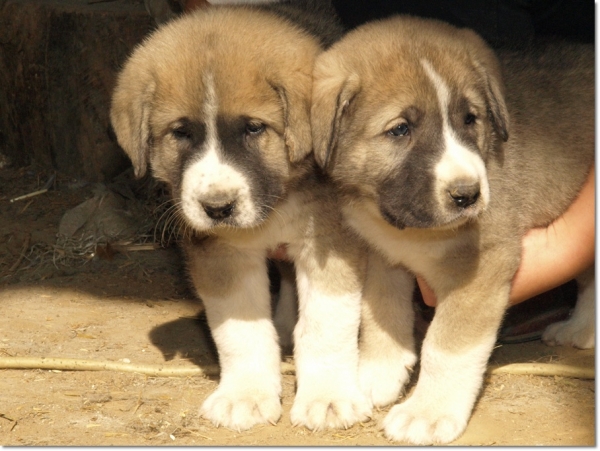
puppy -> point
(443, 170)
(217, 104)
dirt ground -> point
(135, 307)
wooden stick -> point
(51, 363)
(26, 196)
(545, 369)
(22, 256)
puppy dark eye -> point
(182, 133)
(470, 119)
(255, 128)
(400, 130)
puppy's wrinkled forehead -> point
(419, 79)
(212, 95)
(454, 89)
(234, 62)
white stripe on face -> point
(210, 181)
(458, 163)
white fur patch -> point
(457, 162)
(417, 249)
(580, 329)
(250, 387)
(328, 393)
(210, 181)
(438, 410)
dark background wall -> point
(59, 60)
(500, 22)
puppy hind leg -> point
(386, 344)
(580, 329)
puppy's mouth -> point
(403, 220)
(447, 220)
(204, 213)
(458, 220)
(459, 212)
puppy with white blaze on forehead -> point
(217, 104)
(445, 156)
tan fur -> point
(143, 85)
(535, 138)
(238, 65)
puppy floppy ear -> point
(488, 66)
(295, 98)
(130, 113)
(498, 109)
(332, 95)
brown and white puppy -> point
(443, 169)
(217, 104)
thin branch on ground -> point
(64, 364)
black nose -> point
(218, 211)
(464, 195)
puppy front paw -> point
(422, 423)
(333, 408)
(240, 408)
(577, 332)
(382, 379)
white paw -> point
(580, 329)
(577, 332)
(382, 380)
(242, 408)
(424, 423)
(338, 408)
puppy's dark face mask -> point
(224, 168)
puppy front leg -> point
(454, 357)
(387, 351)
(326, 343)
(234, 287)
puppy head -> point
(406, 113)
(217, 103)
